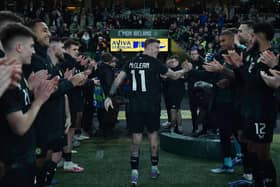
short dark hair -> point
(151, 40)
(13, 30)
(64, 39)
(173, 57)
(69, 42)
(265, 28)
(233, 30)
(32, 23)
(8, 16)
(194, 48)
(227, 32)
(107, 57)
(249, 23)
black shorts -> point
(55, 145)
(77, 106)
(173, 102)
(259, 132)
(137, 121)
(73, 119)
(76, 101)
(238, 121)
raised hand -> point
(92, 64)
(271, 81)
(44, 90)
(79, 79)
(269, 58)
(36, 78)
(55, 81)
(234, 59)
(186, 65)
(83, 60)
(16, 67)
(68, 74)
(213, 66)
(87, 72)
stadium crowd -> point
(193, 27)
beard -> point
(60, 56)
(256, 46)
(242, 41)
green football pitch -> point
(106, 163)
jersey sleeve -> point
(10, 101)
(161, 69)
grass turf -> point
(106, 163)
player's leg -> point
(264, 171)
(136, 127)
(154, 143)
(225, 130)
(173, 118)
(179, 122)
(134, 158)
(153, 126)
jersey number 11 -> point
(143, 80)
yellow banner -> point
(135, 44)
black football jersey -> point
(16, 148)
(143, 73)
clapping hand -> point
(269, 58)
(234, 59)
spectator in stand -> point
(86, 41)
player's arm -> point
(21, 122)
(272, 80)
(175, 74)
(68, 114)
(217, 67)
(118, 80)
(178, 74)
